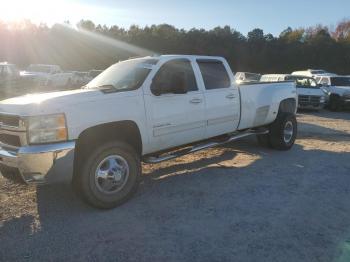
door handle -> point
(196, 101)
(230, 96)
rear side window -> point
(214, 74)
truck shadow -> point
(182, 202)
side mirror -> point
(156, 88)
(178, 83)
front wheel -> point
(109, 175)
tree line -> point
(90, 46)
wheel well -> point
(94, 136)
(288, 105)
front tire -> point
(109, 175)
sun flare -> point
(38, 11)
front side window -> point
(123, 76)
(165, 80)
(214, 74)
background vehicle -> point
(149, 109)
(80, 78)
(93, 73)
(310, 96)
(243, 77)
(338, 90)
(47, 75)
(8, 73)
(310, 72)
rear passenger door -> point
(221, 96)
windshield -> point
(39, 68)
(340, 81)
(303, 82)
(126, 75)
(318, 72)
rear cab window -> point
(214, 74)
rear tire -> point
(109, 175)
(283, 131)
(334, 103)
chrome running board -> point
(168, 156)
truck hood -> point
(47, 103)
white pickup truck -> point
(337, 88)
(47, 75)
(149, 109)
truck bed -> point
(260, 101)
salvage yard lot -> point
(240, 202)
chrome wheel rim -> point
(288, 132)
(111, 174)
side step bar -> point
(196, 148)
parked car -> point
(338, 90)
(80, 78)
(310, 72)
(244, 77)
(93, 73)
(8, 74)
(47, 75)
(310, 95)
(143, 109)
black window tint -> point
(165, 73)
(214, 74)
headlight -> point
(46, 129)
(322, 99)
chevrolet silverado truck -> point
(148, 110)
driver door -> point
(175, 117)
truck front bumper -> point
(38, 164)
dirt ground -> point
(235, 203)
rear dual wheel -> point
(282, 133)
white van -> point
(310, 96)
(310, 72)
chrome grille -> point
(12, 131)
(309, 100)
(9, 120)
